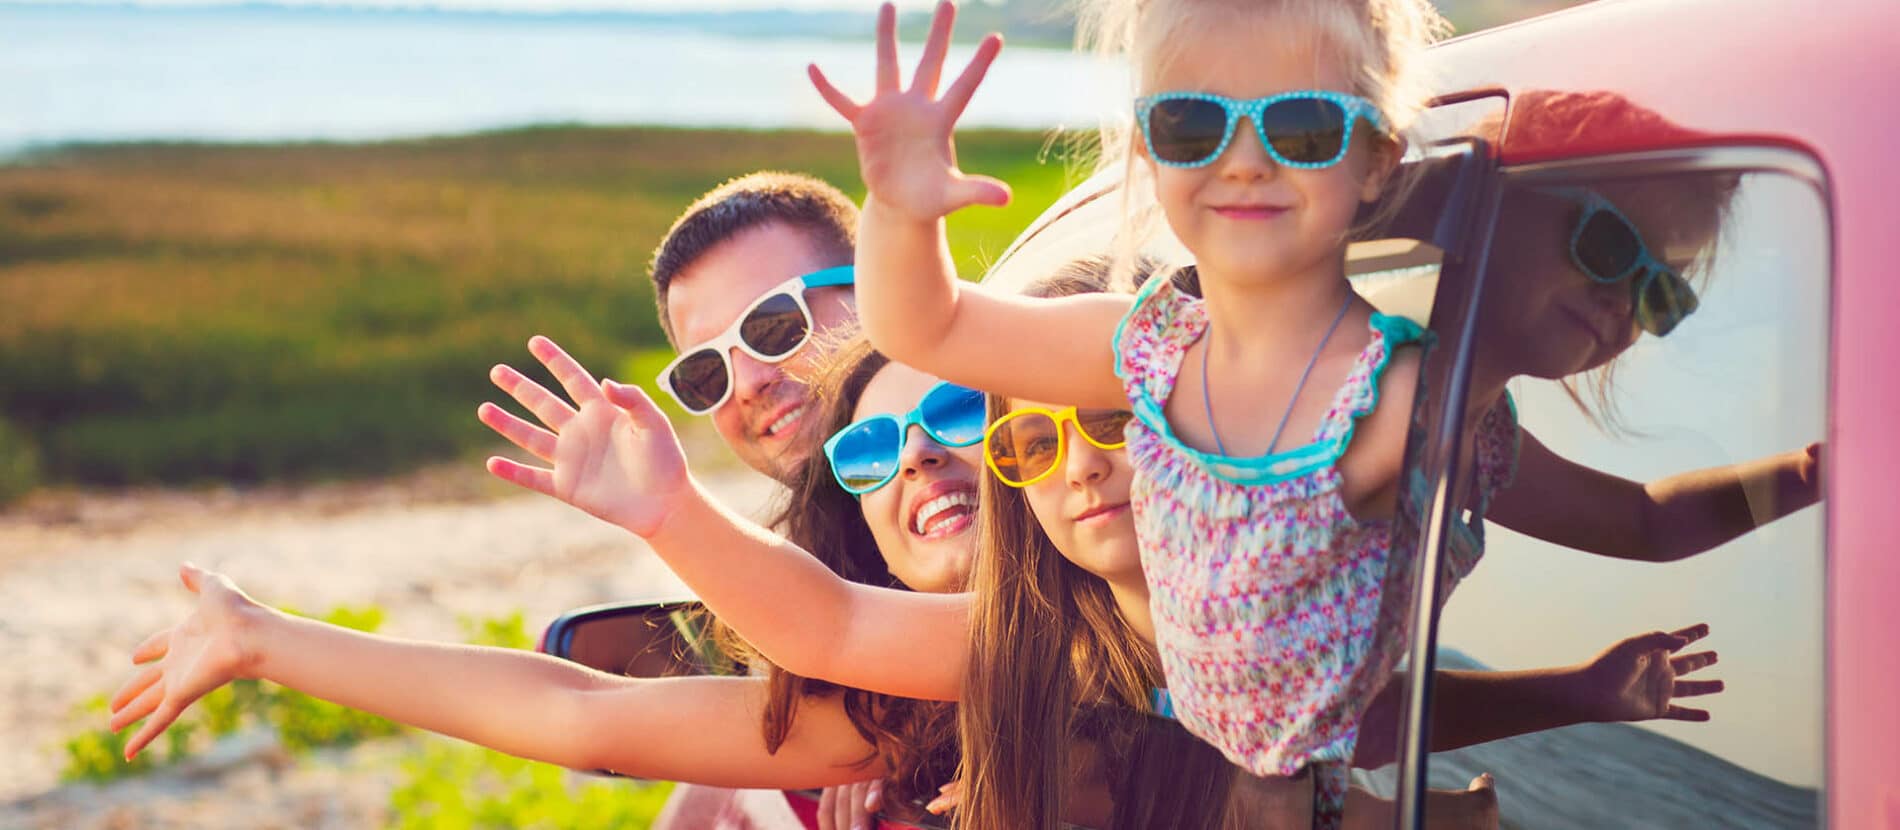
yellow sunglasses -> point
(1027, 445)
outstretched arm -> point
(700, 729)
(617, 458)
(913, 306)
(1566, 503)
(1635, 679)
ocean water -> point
(72, 73)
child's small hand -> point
(616, 457)
(949, 797)
(905, 151)
(1637, 679)
(187, 661)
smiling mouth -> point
(1249, 211)
(785, 422)
(945, 515)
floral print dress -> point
(1266, 592)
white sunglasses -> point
(774, 327)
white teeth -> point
(939, 506)
(785, 420)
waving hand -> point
(905, 152)
(186, 661)
(614, 456)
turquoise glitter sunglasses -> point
(1606, 247)
(864, 456)
(1307, 129)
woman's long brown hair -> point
(915, 739)
(1045, 636)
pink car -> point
(1721, 170)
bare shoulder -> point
(1372, 464)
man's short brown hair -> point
(822, 212)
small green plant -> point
(99, 755)
(501, 632)
(19, 463)
(454, 786)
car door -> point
(1733, 286)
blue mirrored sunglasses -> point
(866, 455)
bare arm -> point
(916, 311)
(807, 619)
(705, 730)
(1634, 679)
(617, 458)
(1673, 518)
(913, 306)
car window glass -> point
(1706, 349)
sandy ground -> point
(84, 577)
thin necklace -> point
(1207, 400)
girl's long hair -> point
(1045, 636)
(915, 739)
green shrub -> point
(19, 464)
(453, 786)
(501, 632)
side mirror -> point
(661, 639)
(651, 639)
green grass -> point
(177, 312)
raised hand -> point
(615, 457)
(905, 152)
(188, 660)
(1638, 678)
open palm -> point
(186, 661)
(905, 151)
(1639, 678)
(615, 456)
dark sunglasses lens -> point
(776, 327)
(700, 380)
(1024, 447)
(1665, 302)
(1104, 426)
(1607, 246)
(1186, 130)
(865, 454)
(955, 416)
(1305, 130)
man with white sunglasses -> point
(743, 279)
(747, 277)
